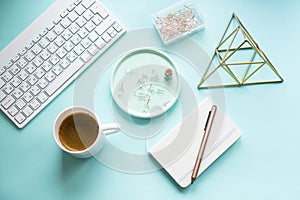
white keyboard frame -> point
(45, 19)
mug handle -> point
(110, 128)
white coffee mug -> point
(104, 129)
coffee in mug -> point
(78, 131)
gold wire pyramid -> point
(238, 50)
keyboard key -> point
(110, 30)
(13, 111)
(81, 21)
(67, 34)
(68, 46)
(90, 26)
(57, 70)
(97, 19)
(2, 95)
(59, 41)
(44, 42)
(57, 20)
(34, 104)
(54, 59)
(29, 45)
(106, 37)
(7, 76)
(88, 15)
(27, 111)
(15, 81)
(50, 76)
(38, 61)
(104, 26)
(29, 56)
(86, 43)
(15, 58)
(71, 56)
(39, 73)
(100, 43)
(22, 63)
(100, 10)
(20, 103)
(15, 69)
(24, 86)
(17, 93)
(51, 36)
(64, 13)
(9, 64)
(86, 56)
(113, 34)
(52, 48)
(58, 29)
(93, 50)
(83, 33)
(87, 3)
(73, 16)
(77, 2)
(46, 66)
(79, 9)
(93, 36)
(2, 82)
(8, 88)
(20, 118)
(30, 68)
(45, 54)
(42, 83)
(36, 49)
(65, 22)
(71, 7)
(75, 39)
(27, 97)
(23, 51)
(74, 28)
(35, 90)
(44, 32)
(2, 70)
(32, 79)
(23, 75)
(42, 97)
(67, 73)
(7, 102)
(37, 38)
(79, 49)
(50, 26)
(64, 63)
(61, 52)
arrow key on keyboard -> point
(34, 104)
(20, 118)
(42, 97)
(86, 56)
(27, 111)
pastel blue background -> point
(263, 164)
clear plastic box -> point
(178, 21)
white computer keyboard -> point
(50, 53)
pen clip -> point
(207, 120)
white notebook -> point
(178, 150)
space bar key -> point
(64, 76)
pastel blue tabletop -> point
(263, 164)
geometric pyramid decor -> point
(240, 61)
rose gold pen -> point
(207, 128)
